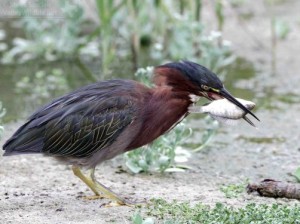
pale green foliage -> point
(160, 155)
(161, 211)
(297, 174)
(144, 75)
(234, 190)
(43, 85)
(237, 3)
(282, 29)
(219, 11)
(174, 35)
(124, 30)
(137, 219)
(189, 41)
(48, 38)
(167, 154)
(106, 11)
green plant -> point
(53, 38)
(47, 38)
(107, 11)
(161, 154)
(297, 174)
(123, 30)
(144, 75)
(219, 11)
(237, 3)
(43, 85)
(137, 219)
(178, 213)
(188, 40)
(234, 190)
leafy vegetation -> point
(152, 31)
(47, 38)
(42, 86)
(175, 213)
(297, 174)
(161, 154)
(138, 219)
(234, 190)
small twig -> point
(275, 189)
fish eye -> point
(206, 88)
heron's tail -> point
(25, 140)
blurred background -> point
(48, 48)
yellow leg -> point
(87, 180)
(96, 187)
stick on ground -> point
(275, 189)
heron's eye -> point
(206, 88)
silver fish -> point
(224, 111)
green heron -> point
(101, 120)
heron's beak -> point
(224, 93)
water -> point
(15, 103)
(242, 69)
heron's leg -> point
(99, 188)
(107, 192)
(88, 180)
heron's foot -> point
(125, 203)
(93, 197)
(101, 191)
(115, 204)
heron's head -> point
(196, 79)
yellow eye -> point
(206, 88)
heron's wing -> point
(81, 134)
(77, 124)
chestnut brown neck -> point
(167, 105)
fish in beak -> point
(223, 93)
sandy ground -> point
(36, 189)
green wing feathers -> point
(77, 124)
(81, 136)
